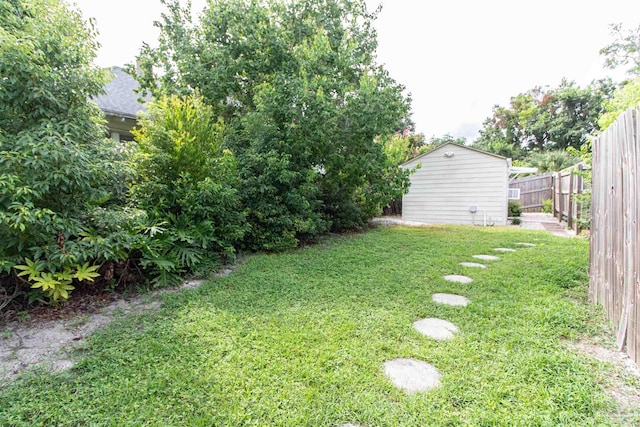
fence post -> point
(554, 205)
(559, 192)
(579, 190)
(570, 201)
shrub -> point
(57, 169)
(547, 205)
(515, 208)
(187, 183)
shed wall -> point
(444, 188)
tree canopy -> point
(303, 101)
(625, 97)
(544, 119)
(624, 50)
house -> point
(120, 104)
(455, 184)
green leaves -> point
(32, 268)
(187, 182)
(625, 97)
(56, 285)
(303, 103)
(86, 272)
(57, 167)
(544, 119)
(624, 50)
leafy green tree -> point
(500, 147)
(624, 50)
(625, 97)
(545, 119)
(575, 112)
(551, 161)
(435, 142)
(59, 177)
(304, 103)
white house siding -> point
(444, 188)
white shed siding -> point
(444, 188)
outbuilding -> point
(121, 104)
(455, 184)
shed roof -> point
(120, 97)
(455, 145)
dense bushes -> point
(60, 180)
(303, 101)
(284, 143)
(187, 183)
(515, 209)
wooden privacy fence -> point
(566, 185)
(533, 190)
(560, 187)
(615, 225)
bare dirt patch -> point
(624, 383)
(46, 337)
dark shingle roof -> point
(120, 98)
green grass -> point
(299, 339)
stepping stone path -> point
(436, 328)
(486, 257)
(529, 245)
(450, 299)
(412, 375)
(472, 265)
(458, 279)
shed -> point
(457, 185)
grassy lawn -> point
(299, 339)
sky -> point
(456, 58)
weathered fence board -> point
(566, 185)
(615, 229)
(533, 190)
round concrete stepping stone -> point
(529, 245)
(472, 265)
(486, 257)
(504, 250)
(349, 425)
(436, 328)
(451, 299)
(458, 279)
(412, 375)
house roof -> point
(447, 144)
(120, 97)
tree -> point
(624, 50)
(60, 179)
(625, 97)
(551, 161)
(435, 142)
(546, 119)
(404, 145)
(304, 104)
(499, 135)
(575, 112)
